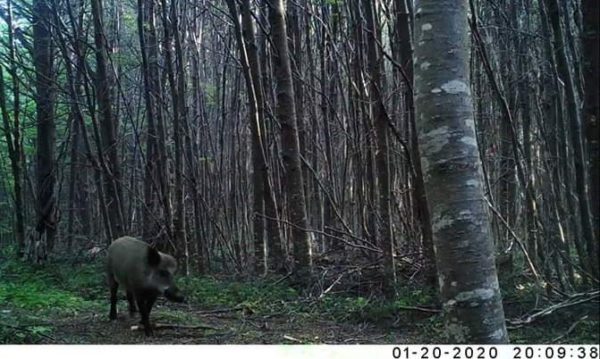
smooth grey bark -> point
(452, 172)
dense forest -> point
(322, 171)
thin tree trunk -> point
(146, 25)
(260, 263)
(574, 121)
(274, 252)
(46, 127)
(381, 120)
(591, 70)
(13, 135)
(290, 150)
(112, 180)
(420, 200)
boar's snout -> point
(173, 294)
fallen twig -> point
(174, 326)
(217, 311)
(337, 280)
(282, 278)
(572, 301)
(420, 309)
(292, 339)
(571, 328)
(27, 330)
(364, 340)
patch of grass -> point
(53, 288)
(262, 297)
(379, 311)
(258, 296)
(87, 280)
(35, 295)
(19, 327)
(345, 308)
(412, 296)
(432, 327)
(30, 294)
(23, 335)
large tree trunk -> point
(450, 160)
(290, 146)
(46, 128)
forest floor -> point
(66, 303)
(193, 326)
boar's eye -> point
(164, 273)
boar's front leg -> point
(114, 287)
(145, 301)
(131, 301)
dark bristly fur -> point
(144, 273)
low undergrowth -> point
(31, 296)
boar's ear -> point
(153, 257)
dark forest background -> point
(288, 155)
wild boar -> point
(144, 273)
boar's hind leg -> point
(114, 287)
(131, 301)
(145, 301)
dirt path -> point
(194, 326)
